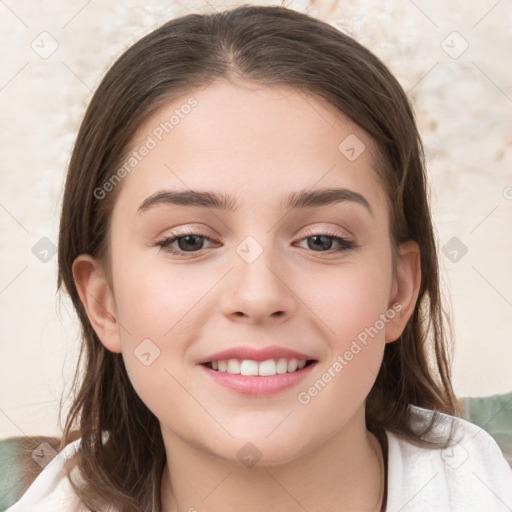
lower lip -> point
(258, 385)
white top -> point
(472, 475)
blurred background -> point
(451, 59)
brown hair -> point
(267, 45)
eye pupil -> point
(190, 239)
(325, 242)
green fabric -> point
(492, 413)
(10, 478)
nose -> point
(259, 292)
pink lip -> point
(256, 385)
(255, 354)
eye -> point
(328, 242)
(190, 243)
(186, 243)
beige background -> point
(463, 106)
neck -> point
(344, 473)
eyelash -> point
(344, 244)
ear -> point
(405, 289)
(96, 295)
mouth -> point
(267, 368)
(257, 371)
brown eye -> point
(320, 242)
(188, 243)
(328, 243)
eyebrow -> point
(295, 200)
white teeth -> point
(248, 367)
(264, 368)
(267, 367)
(282, 365)
(291, 366)
(233, 366)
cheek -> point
(351, 300)
(158, 306)
(158, 300)
(354, 312)
(153, 306)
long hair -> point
(268, 46)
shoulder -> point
(51, 490)
(469, 474)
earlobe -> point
(98, 300)
(406, 285)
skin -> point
(257, 144)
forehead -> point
(253, 140)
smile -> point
(257, 378)
(265, 368)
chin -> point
(260, 452)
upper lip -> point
(255, 354)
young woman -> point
(247, 240)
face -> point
(252, 236)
